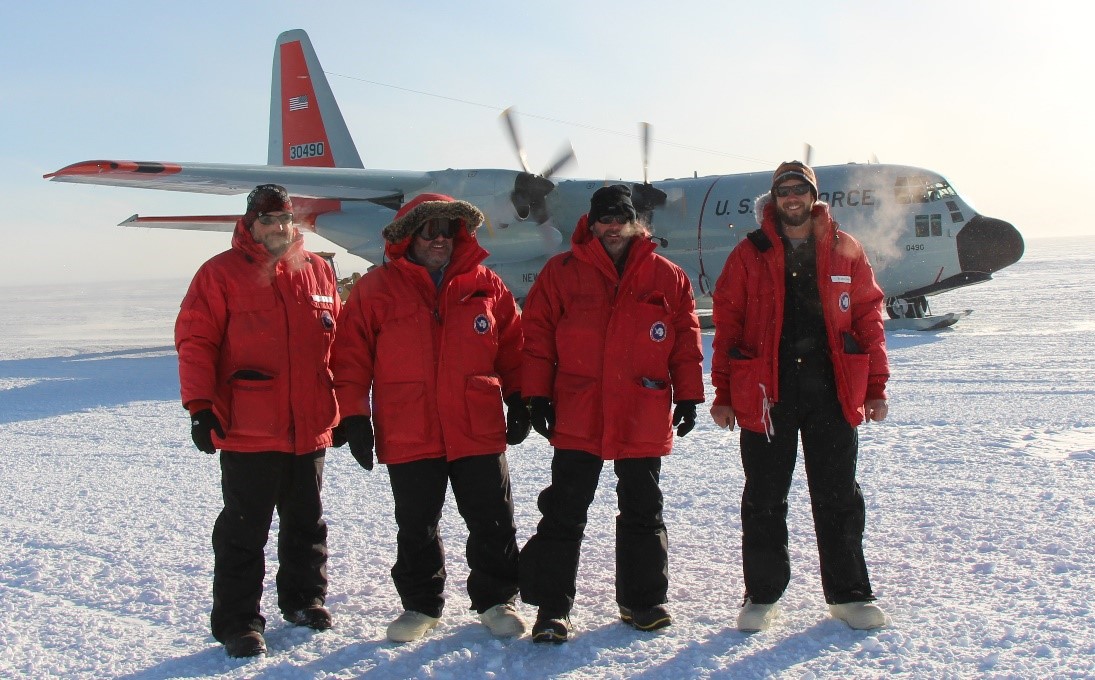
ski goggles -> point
(437, 226)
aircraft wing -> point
(189, 222)
(229, 179)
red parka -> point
(254, 337)
(612, 351)
(437, 361)
(748, 316)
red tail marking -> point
(302, 127)
(117, 168)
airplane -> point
(920, 235)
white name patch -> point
(841, 279)
(323, 298)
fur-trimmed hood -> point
(423, 207)
(429, 206)
(466, 251)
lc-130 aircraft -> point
(921, 236)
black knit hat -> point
(266, 198)
(611, 200)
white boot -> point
(504, 621)
(859, 615)
(410, 625)
(754, 618)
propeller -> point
(644, 131)
(646, 196)
(514, 138)
(529, 190)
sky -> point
(992, 96)
(979, 493)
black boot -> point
(315, 617)
(551, 627)
(646, 618)
(245, 644)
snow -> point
(979, 486)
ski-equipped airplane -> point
(921, 236)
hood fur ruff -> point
(758, 206)
(403, 227)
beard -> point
(277, 244)
(618, 247)
(796, 220)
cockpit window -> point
(920, 189)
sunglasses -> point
(609, 219)
(270, 220)
(796, 189)
(437, 226)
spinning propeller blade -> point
(644, 130)
(566, 157)
(529, 190)
(511, 126)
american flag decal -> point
(298, 103)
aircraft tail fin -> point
(306, 125)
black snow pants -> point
(830, 448)
(253, 485)
(549, 560)
(481, 486)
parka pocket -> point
(576, 405)
(324, 313)
(400, 412)
(748, 390)
(653, 333)
(648, 413)
(254, 404)
(856, 367)
(483, 398)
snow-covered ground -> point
(980, 497)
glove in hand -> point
(543, 416)
(518, 419)
(684, 416)
(202, 426)
(357, 431)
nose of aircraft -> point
(988, 245)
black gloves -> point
(543, 416)
(518, 420)
(684, 416)
(202, 425)
(358, 432)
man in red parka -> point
(799, 349)
(611, 342)
(254, 336)
(436, 338)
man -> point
(799, 348)
(254, 337)
(436, 337)
(611, 340)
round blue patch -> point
(481, 324)
(658, 332)
(845, 301)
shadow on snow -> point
(53, 386)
